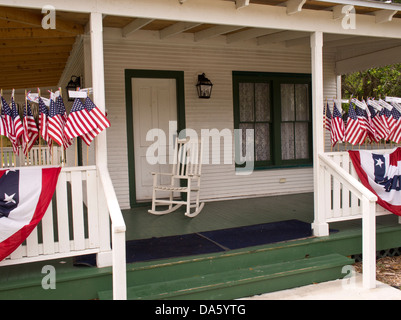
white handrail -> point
(346, 179)
(118, 236)
(368, 204)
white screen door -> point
(154, 104)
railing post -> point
(368, 243)
(320, 226)
(119, 269)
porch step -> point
(242, 282)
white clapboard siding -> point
(217, 62)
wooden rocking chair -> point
(185, 179)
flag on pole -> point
(79, 121)
(16, 120)
(98, 117)
(25, 195)
(44, 122)
(9, 123)
(370, 127)
(327, 118)
(353, 129)
(395, 134)
(337, 126)
(30, 131)
(3, 128)
(380, 126)
(55, 124)
(387, 117)
(381, 174)
(363, 123)
(57, 119)
(60, 105)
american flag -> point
(30, 131)
(391, 122)
(79, 121)
(98, 117)
(337, 126)
(11, 117)
(3, 131)
(56, 123)
(60, 105)
(380, 126)
(3, 128)
(44, 122)
(375, 122)
(395, 134)
(16, 119)
(383, 117)
(8, 121)
(363, 123)
(327, 118)
(353, 129)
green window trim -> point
(275, 82)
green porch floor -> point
(24, 281)
(230, 214)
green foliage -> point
(375, 82)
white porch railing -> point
(77, 222)
(37, 156)
(345, 198)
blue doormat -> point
(210, 241)
(259, 234)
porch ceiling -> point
(32, 56)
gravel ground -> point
(388, 270)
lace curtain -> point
(295, 117)
(255, 113)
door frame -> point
(156, 74)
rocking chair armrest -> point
(161, 173)
(188, 176)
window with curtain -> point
(277, 107)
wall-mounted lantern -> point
(72, 85)
(204, 87)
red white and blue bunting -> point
(25, 194)
(381, 174)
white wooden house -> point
(142, 58)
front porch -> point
(281, 38)
(81, 282)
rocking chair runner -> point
(185, 178)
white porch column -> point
(320, 226)
(96, 32)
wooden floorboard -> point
(232, 213)
(219, 215)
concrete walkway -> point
(350, 289)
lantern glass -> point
(204, 87)
(72, 85)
